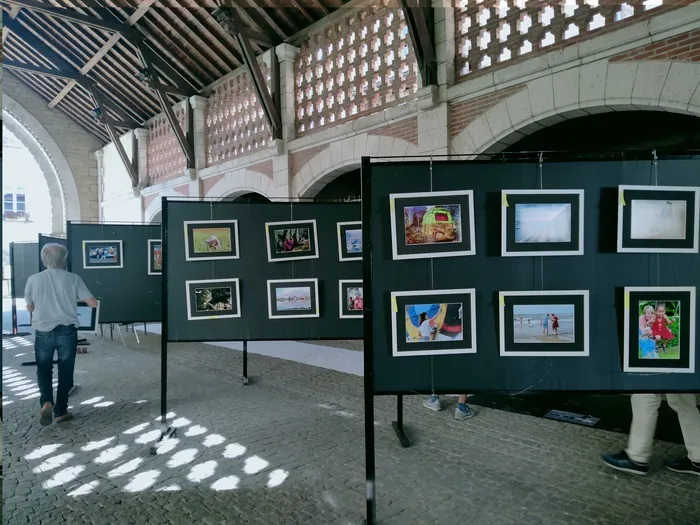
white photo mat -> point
(272, 225)
(213, 282)
(430, 194)
(270, 289)
(395, 314)
(341, 241)
(503, 297)
(203, 224)
(87, 266)
(342, 298)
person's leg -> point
(43, 354)
(67, 345)
(685, 406)
(463, 411)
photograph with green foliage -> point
(659, 329)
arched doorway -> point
(250, 197)
(345, 187)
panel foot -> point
(244, 380)
(403, 438)
(169, 433)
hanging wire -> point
(540, 177)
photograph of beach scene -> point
(658, 219)
(543, 323)
(542, 223)
(293, 298)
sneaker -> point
(621, 461)
(684, 466)
(464, 414)
(45, 414)
(433, 403)
(67, 416)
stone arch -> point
(65, 200)
(342, 156)
(239, 182)
(157, 218)
(153, 212)
(594, 88)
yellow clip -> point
(627, 300)
(622, 197)
(391, 205)
(505, 200)
(503, 300)
(394, 305)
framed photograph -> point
(433, 322)
(351, 299)
(213, 299)
(103, 254)
(658, 219)
(544, 323)
(88, 317)
(659, 330)
(350, 241)
(432, 224)
(155, 257)
(211, 240)
(291, 240)
(541, 222)
(292, 298)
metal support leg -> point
(145, 329)
(398, 424)
(111, 331)
(244, 379)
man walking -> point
(645, 409)
(52, 297)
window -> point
(9, 202)
(19, 201)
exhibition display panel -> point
(49, 239)
(24, 257)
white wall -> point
(115, 179)
(126, 209)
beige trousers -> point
(645, 409)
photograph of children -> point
(211, 240)
(432, 224)
(658, 219)
(155, 257)
(292, 298)
(291, 240)
(213, 299)
(433, 322)
(350, 241)
(544, 323)
(351, 299)
(542, 223)
(102, 254)
(659, 329)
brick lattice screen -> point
(165, 158)
(359, 65)
(496, 33)
(236, 123)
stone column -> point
(286, 54)
(445, 42)
(141, 136)
(100, 156)
(199, 128)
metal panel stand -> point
(15, 332)
(398, 424)
(244, 379)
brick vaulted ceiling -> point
(181, 33)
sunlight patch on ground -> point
(111, 454)
(202, 471)
(142, 481)
(277, 477)
(30, 396)
(20, 355)
(167, 445)
(169, 415)
(344, 413)
(169, 488)
(64, 476)
(227, 483)
(96, 445)
(182, 458)
(53, 462)
(196, 430)
(104, 404)
(147, 437)
(136, 429)
(92, 401)
(181, 422)
(234, 450)
(213, 439)
(42, 451)
(140, 401)
(84, 490)
(125, 468)
(254, 464)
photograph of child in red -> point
(659, 327)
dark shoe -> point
(621, 461)
(67, 416)
(683, 466)
(45, 414)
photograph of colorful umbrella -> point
(430, 322)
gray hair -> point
(54, 255)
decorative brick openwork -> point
(165, 158)
(684, 47)
(236, 123)
(359, 65)
(496, 33)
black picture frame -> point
(686, 196)
(512, 200)
(88, 317)
(510, 300)
(275, 229)
(195, 288)
(153, 245)
(196, 230)
(277, 284)
(633, 360)
(344, 285)
(398, 202)
(344, 254)
(114, 247)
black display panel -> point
(127, 293)
(49, 239)
(24, 257)
(601, 271)
(253, 270)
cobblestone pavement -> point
(288, 449)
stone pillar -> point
(141, 136)
(199, 130)
(100, 156)
(286, 54)
(445, 42)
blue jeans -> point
(64, 340)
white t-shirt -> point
(425, 329)
(55, 294)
